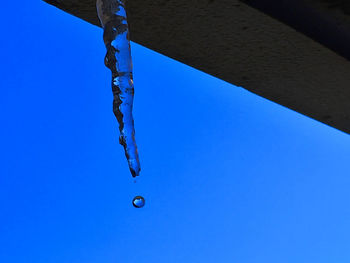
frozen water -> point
(112, 16)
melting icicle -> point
(112, 16)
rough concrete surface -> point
(246, 47)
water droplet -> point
(138, 201)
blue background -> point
(228, 176)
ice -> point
(112, 16)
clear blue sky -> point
(227, 176)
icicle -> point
(112, 16)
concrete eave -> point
(293, 52)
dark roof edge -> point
(308, 18)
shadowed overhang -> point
(293, 52)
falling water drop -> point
(138, 201)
